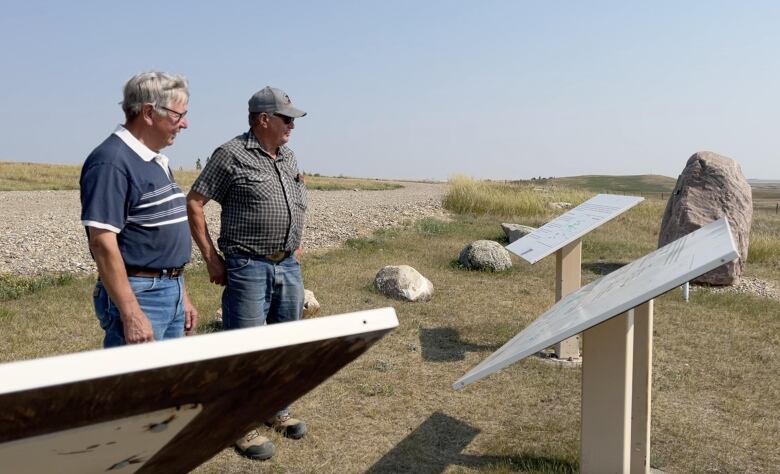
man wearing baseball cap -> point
(255, 178)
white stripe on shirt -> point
(155, 203)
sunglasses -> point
(287, 120)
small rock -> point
(560, 205)
(403, 282)
(485, 255)
(516, 231)
(310, 304)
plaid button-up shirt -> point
(263, 200)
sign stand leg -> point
(568, 279)
(643, 376)
(607, 375)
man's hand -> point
(298, 253)
(111, 268)
(216, 268)
(200, 233)
(137, 328)
(190, 316)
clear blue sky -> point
(426, 89)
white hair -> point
(158, 88)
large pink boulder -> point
(711, 186)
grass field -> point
(716, 395)
(37, 177)
(640, 184)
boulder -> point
(516, 231)
(485, 255)
(310, 304)
(403, 282)
(711, 186)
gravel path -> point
(40, 231)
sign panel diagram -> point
(644, 279)
(571, 225)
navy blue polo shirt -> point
(128, 189)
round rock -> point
(403, 282)
(485, 255)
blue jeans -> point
(160, 298)
(259, 291)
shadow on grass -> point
(438, 443)
(445, 345)
(602, 268)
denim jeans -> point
(160, 299)
(259, 291)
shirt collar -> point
(253, 143)
(143, 151)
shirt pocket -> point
(254, 187)
(298, 189)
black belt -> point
(155, 272)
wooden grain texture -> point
(237, 393)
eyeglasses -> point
(176, 116)
(287, 120)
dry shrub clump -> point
(469, 196)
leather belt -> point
(154, 272)
(277, 256)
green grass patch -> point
(431, 226)
(13, 287)
(639, 184)
(765, 239)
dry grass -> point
(37, 176)
(716, 398)
(40, 176)
(468, 196)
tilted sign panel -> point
(571, 225)
(625, 288)
(239, 378)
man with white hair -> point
(136, 218)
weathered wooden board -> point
(236, 379)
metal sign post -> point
(568, 279)
(615, 315)
(640, 393)
(563, 236)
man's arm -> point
(111, 268)
(200, 233)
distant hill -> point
(644, 183)
(650, 184)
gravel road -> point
(40, 231)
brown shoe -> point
(289, 427)
(255, 446)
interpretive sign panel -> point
(571, 225)
(625, 288)
(170, 405)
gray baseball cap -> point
(273, 101)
